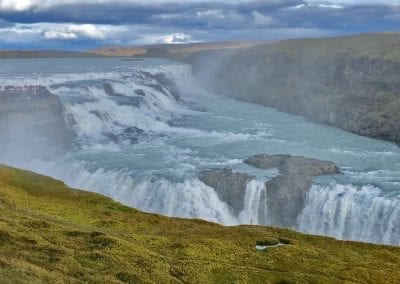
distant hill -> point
(45, 54)
(158, 50)
(50, 233)
(173, 50)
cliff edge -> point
(32, 124)
(284, 195)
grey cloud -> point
(136, 22)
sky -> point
(85, 24)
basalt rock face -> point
(348, 82)
(293, 165)
(230, 186)
(32, 126)
(286, 192)
(162, 82)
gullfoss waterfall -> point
(144, 130)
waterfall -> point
(145, 131)
(351, 212)
(187, 199)
(254, 211)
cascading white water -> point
(351, 213)
(140, 104)
(342, 211)
(144, 147)
(255, 197)
(188, 199)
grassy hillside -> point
(175, 50)
(382, 46)
(51, 233)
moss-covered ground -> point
(50, 233)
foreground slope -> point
(349, 82)
(50, 232)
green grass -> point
(382, 46)
(53, 234)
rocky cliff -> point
(32, 125)
(349, 82)
(230, 186)
(285, 193)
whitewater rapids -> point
(145, 144)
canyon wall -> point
(349, 82)
(32, 125)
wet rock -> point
(96, 113)
(286, 193)
(293, 165)
(126, 100)
(230, 186)
(140, 92)
(33, 125)
(263, 161)
(71, 120)
(156, 87)
(162, 82)
(108, 89)
(133, 130)
(112, 137)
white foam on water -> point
(187, 199)
(351, 212)
(255, 190)
(347, 212)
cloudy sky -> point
(83, 24)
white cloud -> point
(176, 38)
(353, 2)
(59, 35)
(218, 17)
(73, 31)
(330, 6)
(210, 14)
(24, 5)
(16, 5)
(262, 20)
(297, 7)
(88, 31)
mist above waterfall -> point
(32, 126)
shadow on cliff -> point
(32, 127)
